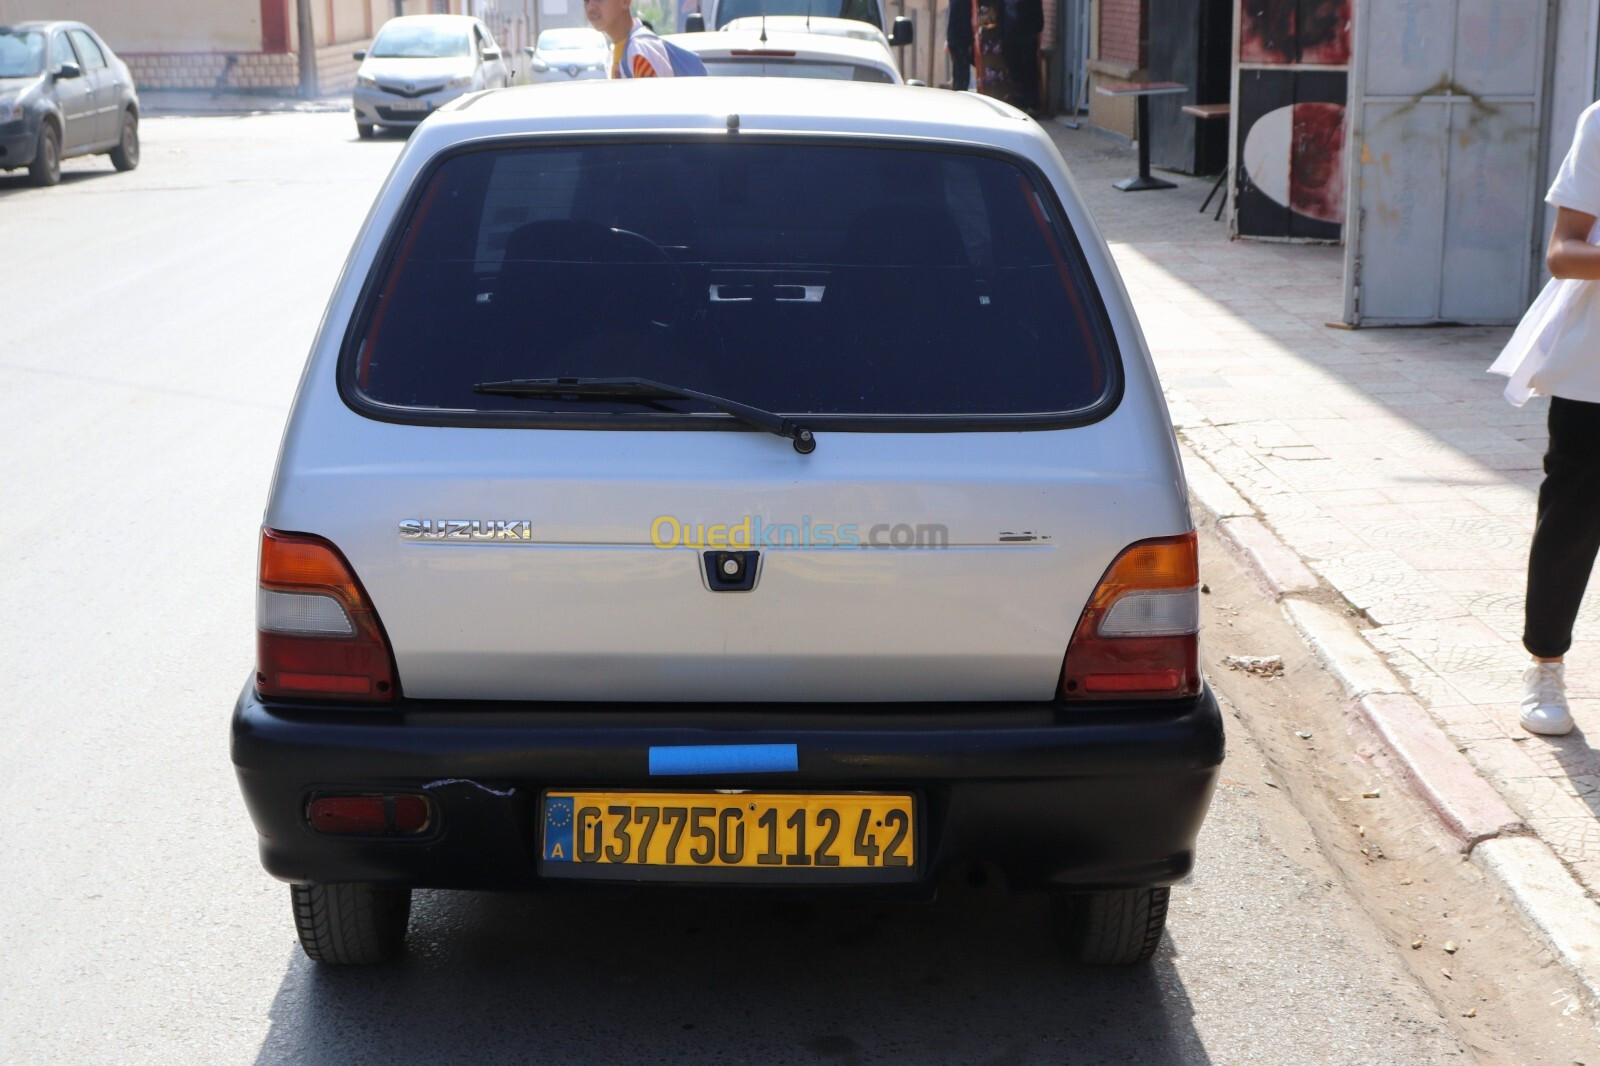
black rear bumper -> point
(1052, 794)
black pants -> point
(1567, 535)
(1021, 51)
(960, 66)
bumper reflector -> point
(369, 813)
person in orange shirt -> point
(636, 52)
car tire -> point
(125, 156)
(366, 130)
(1116, 928)
(350, 924)
(46, 166)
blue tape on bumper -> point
(725, 759)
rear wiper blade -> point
(645, 389)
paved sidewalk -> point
(229, 102)
(1385, 459)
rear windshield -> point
(804, 278)
(758, 67)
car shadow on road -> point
(15, 181)
(506, 978)
(381, 134)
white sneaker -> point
(1544, 700)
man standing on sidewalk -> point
(636, 52)
(1019, 38)
(958, 41)
(1566, 537)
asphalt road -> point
(153, 329)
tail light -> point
(1139, 635)
(317, 636)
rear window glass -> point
(757, 67)
(804, 278)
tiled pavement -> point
(1385, 458)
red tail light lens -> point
(369, 813)
(1138, 637)
(317, 636)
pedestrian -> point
(958, 42)
(1556, 353)
(1019, 39)
(636, 50)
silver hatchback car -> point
(702, 483)
(419, 63)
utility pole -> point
(308, 49)
(399, 8)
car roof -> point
(44, 25)
(825, 24)
(644, 105)
(463, 21)
(807, 45)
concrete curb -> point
(1342, 650)
(1428, 759)
(1278, 567)
(1547, 898)
(1543, 891)
(1441, 775)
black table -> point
(1141, 129)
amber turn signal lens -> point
(1164, 563)
(299, 563)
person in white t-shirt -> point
(636, 52)
(1567, 535)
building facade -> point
(234, 45)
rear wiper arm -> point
(645, 389)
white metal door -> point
(1446, 101)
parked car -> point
(63, 93)
(568, 54)
(861, 31)
(754, 53)
(419, 63)
(833, 540)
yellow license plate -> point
(685, 831)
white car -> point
(716, 14)
(568, 54)
(419, 63)
(832, 27)
(789, 54)
(701, 483)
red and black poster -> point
(1294, 32)
(1289, 106)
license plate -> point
(409, 105)
(748, 836)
